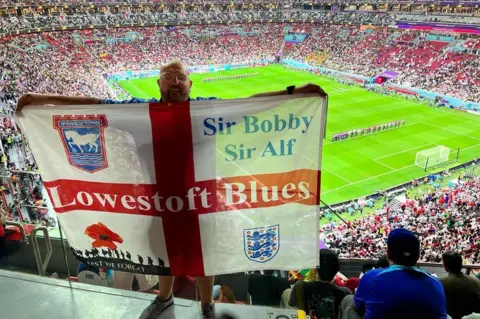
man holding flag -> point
(175, 86)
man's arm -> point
(45, 99)
(308, 88)
(296, 296)
(364, 290)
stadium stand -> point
(72, 51)
(444, 220)
(427, 65)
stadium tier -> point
(445, 66)
(399, 176)
(36, 18)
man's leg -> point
(165, 287)
(205, 286)
(163, 301)
(347, 309)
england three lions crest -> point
(84, 140)
(261, 244)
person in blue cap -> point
(402, 290)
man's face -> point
(174, 84)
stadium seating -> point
(444, 220)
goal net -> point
(432, 156)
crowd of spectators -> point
(423, 64)
(79, 2)
(21, 186)
(86, 16)
(99, 2)
(445, 219)
(464, 19)
(33, 21)
(73, 62)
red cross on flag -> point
(197, 188)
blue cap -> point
(403, 247)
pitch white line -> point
(410, 149)
(466, 148)
(459, 113)
(393, 169)
(366, 179)
(452, 131)
(326, 169)
(147, 96)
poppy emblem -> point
(103, 236)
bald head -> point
(174, 82)
(175, 66)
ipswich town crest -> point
(261, 244)
(84, 140)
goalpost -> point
(432, 156)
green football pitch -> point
(359, 166)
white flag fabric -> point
(198, 188)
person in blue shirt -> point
(402, 290)
(175, 85)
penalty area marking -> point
(472, 117)
(452, 131)
(140, 90)
(326, 169)
(386, 173)
(367, 179)
(410, 149)
(389, 167)
(466, 148)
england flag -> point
(189, 188)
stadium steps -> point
(394, 36)
(50, 40)
(342, 34)
(15, 47)
(395, 204)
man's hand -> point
(46, 99)
(24, 101)
(310, 88)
